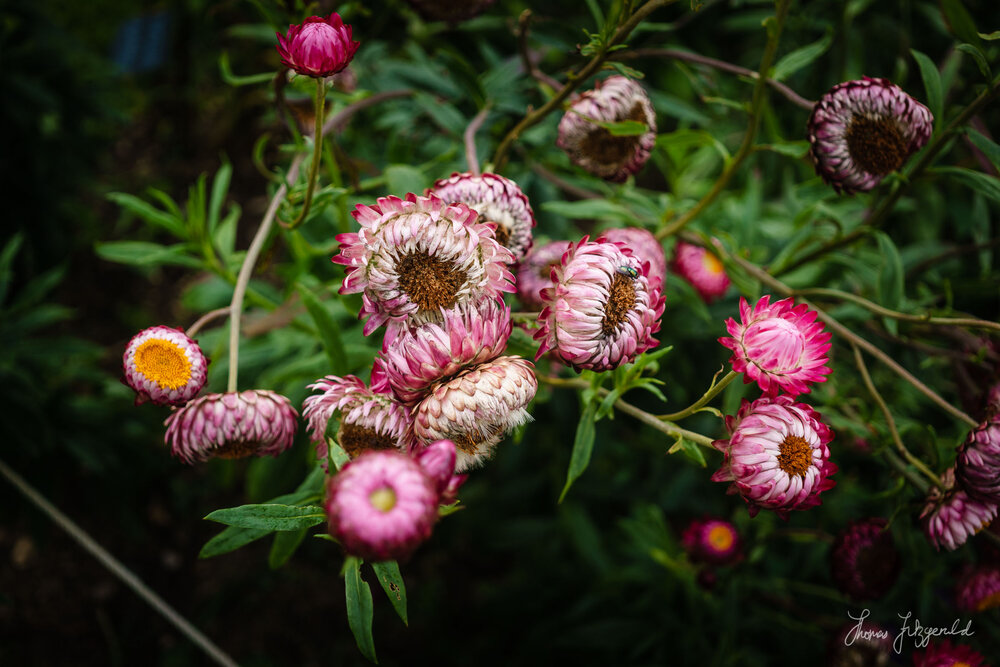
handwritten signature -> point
(911, 628)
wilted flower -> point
(602, 310)
(777, 456)
(452, 11)
(595, 148)
(713, 541)
(779, 345)
(317, 47)
(644, 246)
(978, 589)
(702, 269)
(864, 561)
(951, 518)
(978, 465)
(416, 256)
(164, 366)
(497, 200)
(534, 273)
(861, 131)
(232, 425)
(381, 506)
(946, 654)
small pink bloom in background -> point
(949, 519)
(534, 273)
(452, 11)
(978, 589)
(945, 654)
(778, 345)
(232, 425)
(317, 47)
(864, 561)
(614, 100)
(602, 310)
(164, 366)
(977, 468)
(497, 200)
(861, 131)
(381, 506)
(777, 456)
(712, 541)
(644, 246)
(702, 269)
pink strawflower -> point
(978, 589)
(712, 541)
(317, 47)
(498, 200)
(644, 246)
(232, 425)
(946, 654)
(164, 366)
(977, 468)
(369, 420)
(476, 408)
(613, 100)
(452, 11)
(779, 345)
(381, 506)
(777, 456)
(702, 269)
(602, 310)
(438, 461)
(416, 256)
(950, 518)
(534, 273)
(860, 131)
(417, 356)
(864, 561)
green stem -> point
(900, 466)
(317, 157)
(712, 392)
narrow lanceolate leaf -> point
(148, 213)
(270, 516)
(583, 445)
(220, 187)
(142, 253)
(978, 181)
(231, 539)
(392, 583)
(360, 608)
(932, 83)
(328, 331)
(800, 58)
(691, 450)
(890, 278)
(625, 128)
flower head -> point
(713, 541)
(952, 517)
(978, 589)
(597, 149)
(978, 465)
(381, 506)
(644, 246)
(777, 456)
(497, 200)
(534, 273)
(860, 131)
(864, 561)
(416, 256)
(602, 309)
(779, 345)
(164, 366)
(232, 425)
(702, 269)
(317, 47)
(946, 654)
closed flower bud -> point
(317, 47)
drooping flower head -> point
(232, 425)
(476, 409)
(497, 200)
(602, 309)
(644, 246)
(778, 345)
(317, 47)
(452, 11)
(978, 589)
(949, 519)
(978, 465)
(946, 654)
(861, 131)
(702, 269)
(589, 145)
(164, 366)
(713, 541)
(777, 456)
(864, 561)
(414, 257)
(381, 506)
(534, 273)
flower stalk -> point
(317, 157)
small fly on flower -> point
(629, 271)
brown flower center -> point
(502, 234)
(621, 299)
(795, 455)
(545, 272)
(429, 282)
(356, 439)
(238, 449)
(605, 148)
(876, 144)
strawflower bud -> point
(438, 461)
(977, 468)
(164, 366)
(644, 246)
(534, 273)
(702, 269)
(951, 518)
(317, 47)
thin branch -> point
(712, 392)
(340, 118)
(205, 319)
(569, 188)
(470, 139)
(320, 106)
(523, 23)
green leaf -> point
(589, 209)
(270, 516)
(691, 450)
(890, 277)
(392, 583)
(625, 128)
(7, 256)
(149, 213)
(360, 608)
(235, 80)
(328, 331)
(583, 445)
(988, 147)
(981, 62)
(142, 253)
(795, 149)
(990, 36)
(338, 457)
(958, 19)
(932, 83)
(285, 544)
(976, 180)
(445, 115)
(802, 57)
(231, 539)
(402, 178)
(220, 187)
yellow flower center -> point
(720, 537)
(383, 499)
(712, 263)
(163, 362)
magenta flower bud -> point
(864, 561)
(644, 246)
(949, 519)
(602, 310)
(978, 589)
(778, 345)
(381, 506)
(317, 47)
(777, 456)
(614, 158)
(438, 461)
(945, 654)
(702, 269)
(232, 425)
(861, 131)
(534, 273)
(712, 541)
(977, 468)
(498, 201)
(164, 366)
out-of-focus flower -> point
(317, 47)
(860, 131)
(713, 541)
(864, 560)
(534, 273)
(644, 246)
(381, 506)
(164, 366)
(946, 654)
(861, 645)
(702, 269)
(595, 148)
(777, 456)
(438, 461)
(232, 425)
(978, 589)
(416, 256)
(498, 200)
(452, 11)
(602, 310)
(778, 345)
(977, 468)
(951, 518)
